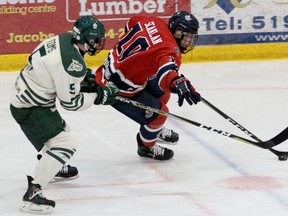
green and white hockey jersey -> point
(55, 69)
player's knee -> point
(63, 140)
(160, 119)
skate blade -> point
(60, 179)
(29, 207)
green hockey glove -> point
(106, 95)
(89, 83)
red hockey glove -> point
(185, 90)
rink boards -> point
(229, 30)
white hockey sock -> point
(59, 150)
(46, 169)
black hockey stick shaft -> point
(267, 144)
(246, 131)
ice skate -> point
(168, 136)
(155, 152)
(67, 173)
(34, 201)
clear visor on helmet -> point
(186, 40)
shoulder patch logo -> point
(176, 50)
(75, 66)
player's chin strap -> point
(281, 137)
(96, 48)
(281, 155)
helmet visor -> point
(185, 40)
(188, 42)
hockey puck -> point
(282, 158)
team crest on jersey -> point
(176, 50)
(75, 66)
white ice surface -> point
(210, 174)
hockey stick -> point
(281, 155)
(266, 144)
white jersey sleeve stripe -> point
(76, 103)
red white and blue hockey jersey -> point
(148, 50)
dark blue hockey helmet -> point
(181, 24)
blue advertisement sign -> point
(241, 21)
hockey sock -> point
(59, 150)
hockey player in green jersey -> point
(56, 69)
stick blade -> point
(279, 153)
(281, 137)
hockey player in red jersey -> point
(144, 65)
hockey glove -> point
(106, 95)
(88, 84)
(184, 90)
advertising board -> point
(229, 29)
(241, 21)
(27, 22)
